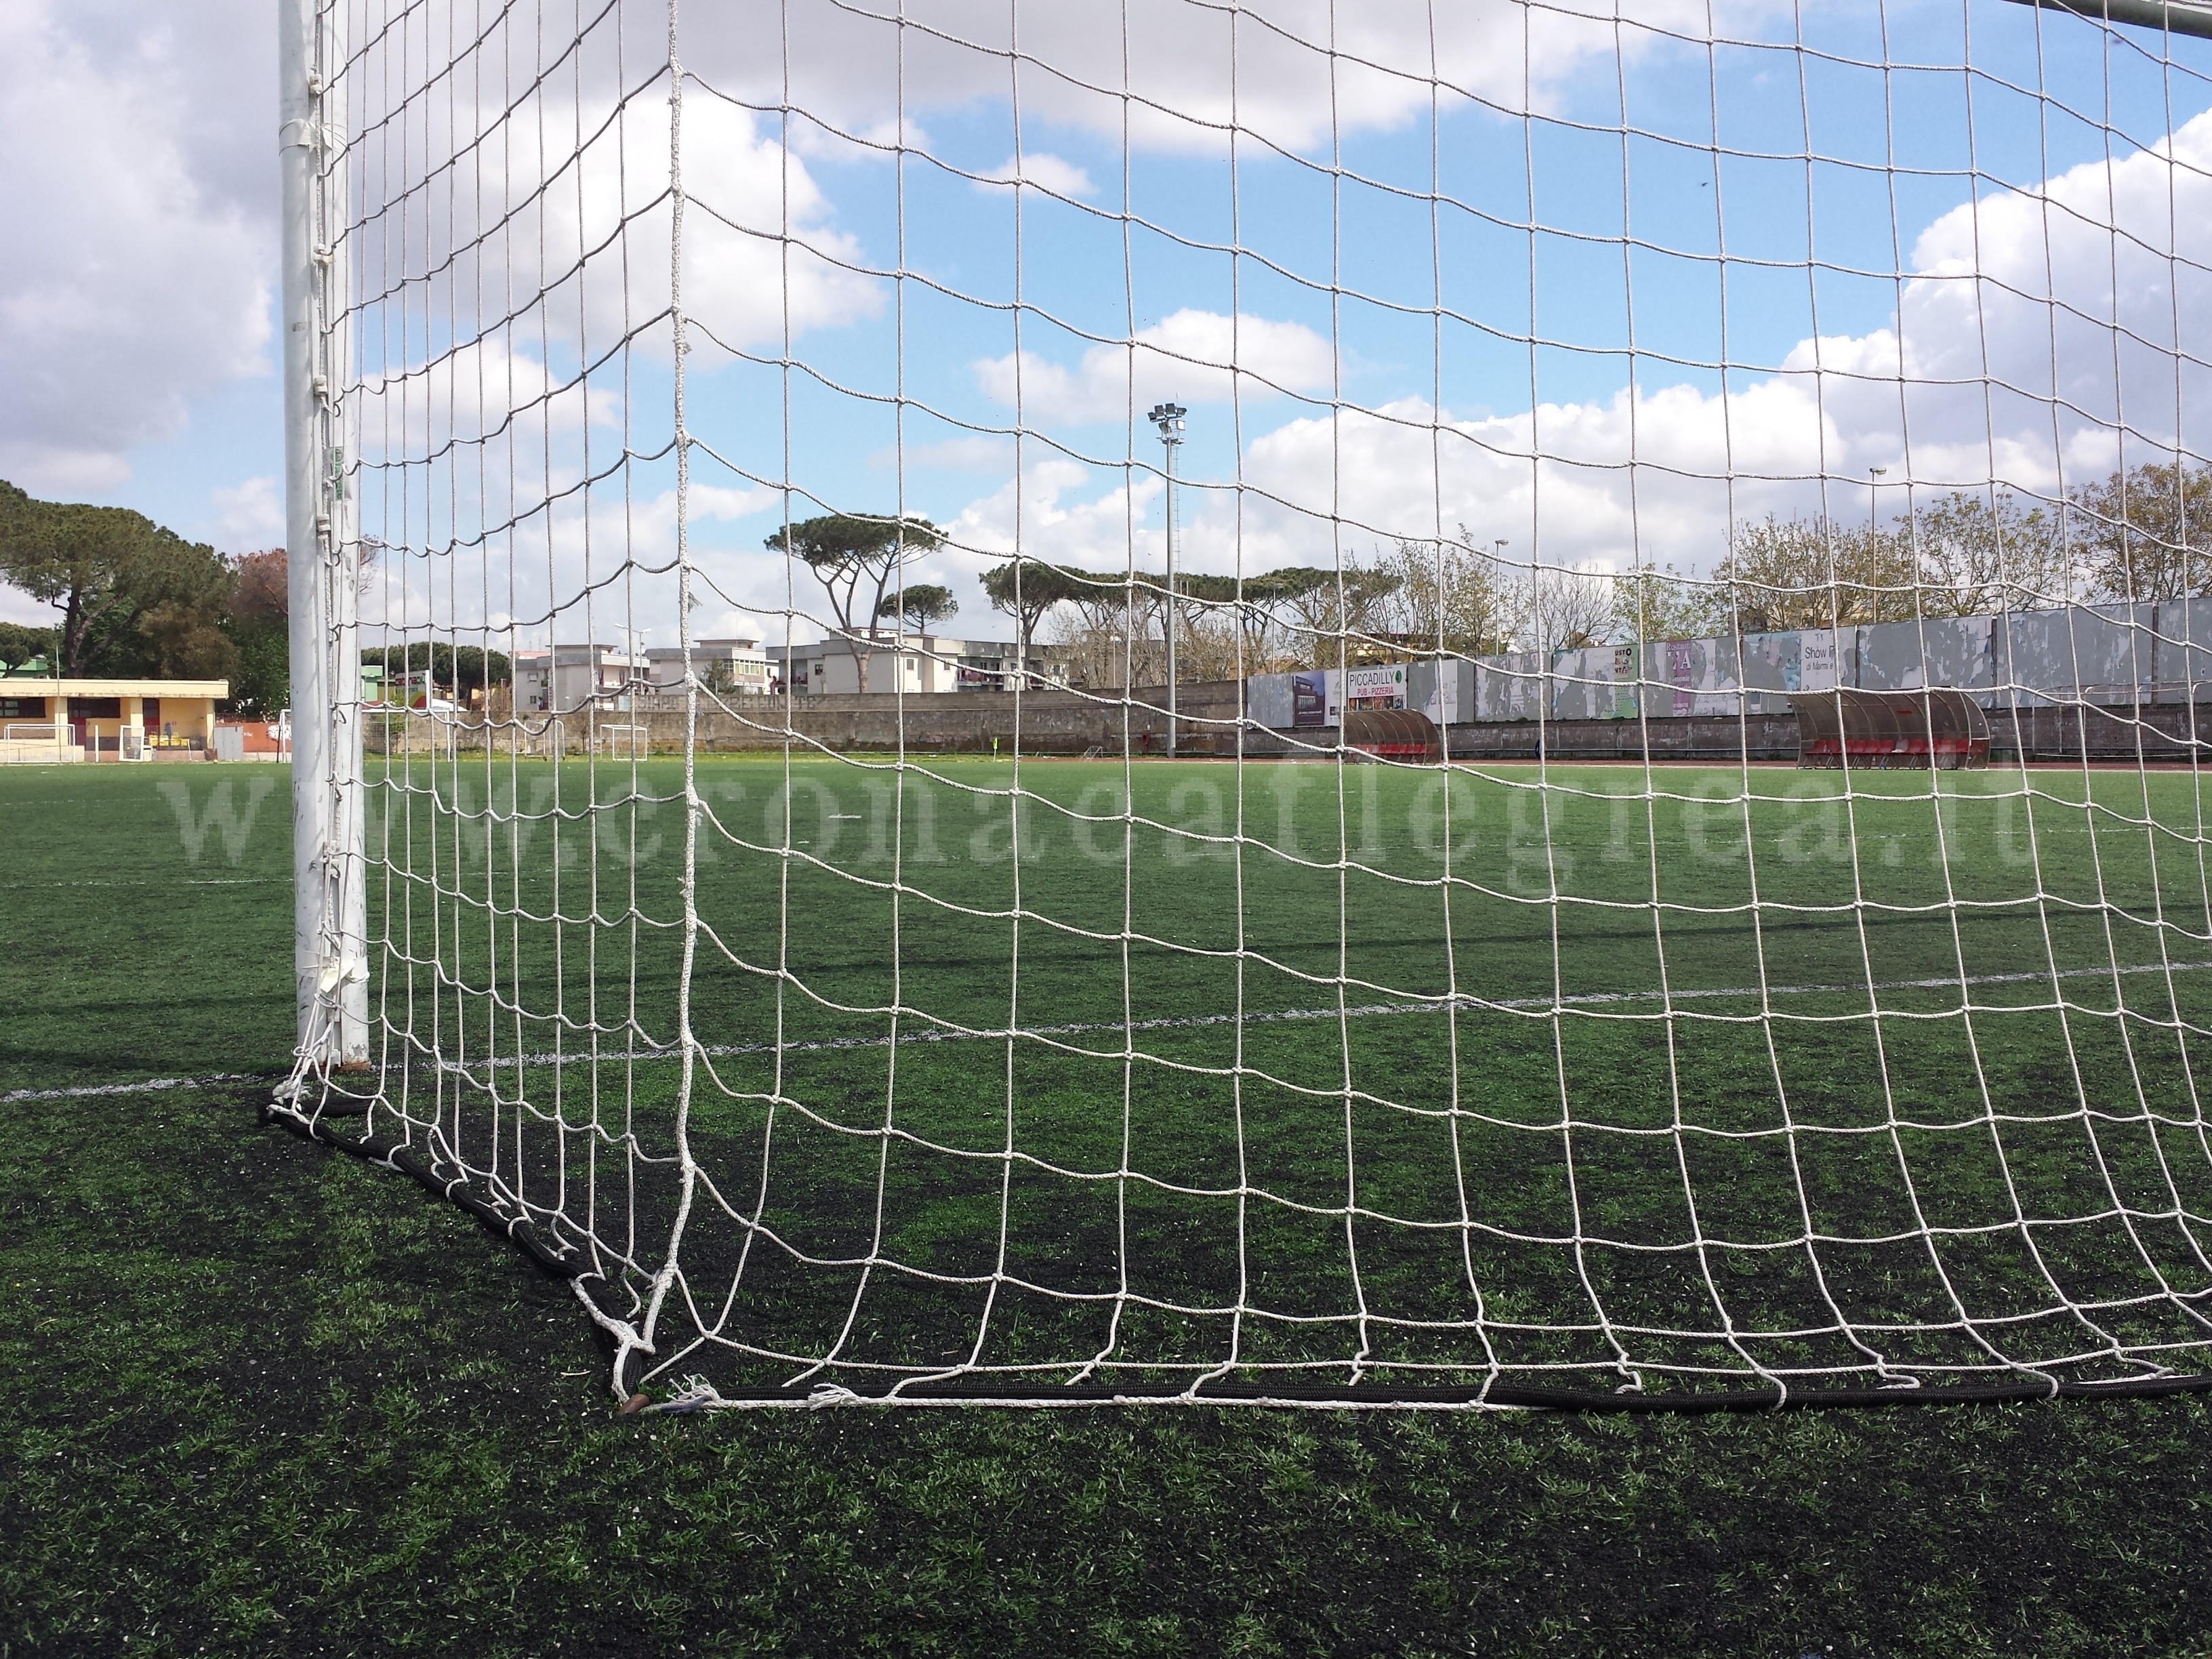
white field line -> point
(1173, 1023)
(1361, 1010)
(164, 881)
(151, 1085)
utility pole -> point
(1167, 417)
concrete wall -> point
(1046, 722)
(1070, 723)
(2099, 654)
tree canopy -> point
(20, 644)
(260, 626)
(1025, 589)
(1961, 553)
(856, 559)
(134, 598)
(457, 669)
(923, 604)
(2146, 535)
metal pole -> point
(1167, 417)
(1170, 629)
(329, 956)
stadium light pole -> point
(1167, 417)
(329, 911)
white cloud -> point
(578, 235)
(2016, 359)
(746, 195)
(135, 277)
(17, 606)
(1028, 513)
(604, 563)
(1190, 70)
(1192, 356)
(480, 389)
(1042, 167)
(249, 515)
(974, 451)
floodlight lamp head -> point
(1168, 418)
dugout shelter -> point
(1937, 727)
(1399, 734)
(47, 719)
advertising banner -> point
(1681, 674)
(1310, 697)
(1442, 704)
(1375, 687)
(1816, 659)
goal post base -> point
(1499, 1396)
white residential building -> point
(734, 666)
(918, 663)
(564, 679)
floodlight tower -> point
(1167, 417)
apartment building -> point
(563, 679)
(918, 664)
(728, 667)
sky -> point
(1594, 281)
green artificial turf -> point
(1360, 1180)
(271, 1399)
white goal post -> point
(321, 530)
(1476, 705)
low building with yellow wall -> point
(44, 719)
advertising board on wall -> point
(1310, 702)
(1441, 703)
(1816, 659)
(1382, 687)
(2018, 659)
(1681, 675)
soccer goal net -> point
(1393, 703)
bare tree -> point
(1451, 596)
(1568, 609)
(1108, 640)
(1344, 609)
(1961, 554)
